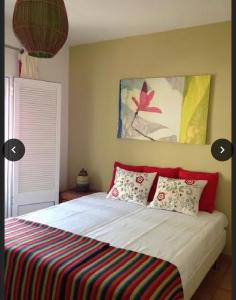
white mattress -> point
(180, 239)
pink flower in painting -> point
(139, 179)
(115, 192)
(144, 100)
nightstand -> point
(73, 194)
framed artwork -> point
(168, 109)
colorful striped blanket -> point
(45, 263)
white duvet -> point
(180, 239)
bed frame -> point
(209, 261)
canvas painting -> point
(170, 109)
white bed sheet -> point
(180, 239)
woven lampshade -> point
(41, 26)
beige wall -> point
(95, 71)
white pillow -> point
(178, 195)
(132, 186)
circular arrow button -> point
(13, 149)
(222, 149)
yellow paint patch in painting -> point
(194, 113)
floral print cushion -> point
(178, 195)
(132, 186)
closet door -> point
(37, 124)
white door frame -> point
(8, 134)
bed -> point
(191, 243)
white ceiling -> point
(98, 20)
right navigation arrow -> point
(222, 149)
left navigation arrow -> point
(13, 149)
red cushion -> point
(165, 172)
(208, 197)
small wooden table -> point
(73, 194)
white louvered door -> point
(37, 124)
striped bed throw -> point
(46, 263)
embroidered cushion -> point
(125, 167)
(178, 195)
(131, 186)
(208, 197)
(165, 172)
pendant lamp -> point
(41, 26)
